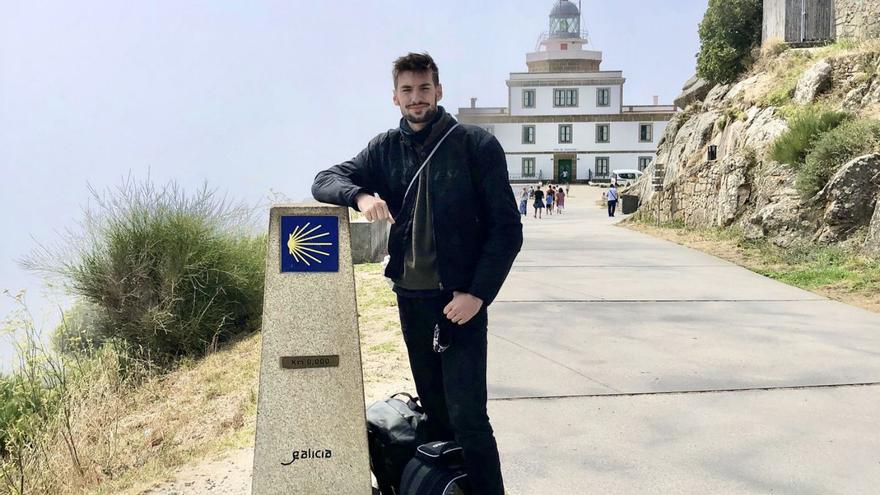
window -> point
(528, 134)
(528, 98)
(563, 46)
(644, 162)
(565, 97)
(564, 133)
(646, 133)
(528, 167)
(602, 166)
(603, 133)
(603, 97)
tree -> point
(728, 32)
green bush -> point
(24, 408)
(79, 329)
(728, 32)
(804, 129)
(171, 275)
(835, 148)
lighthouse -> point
(562, 48)
(565, 116)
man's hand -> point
(373, 208)
(462, 307)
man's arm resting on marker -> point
(343, 184)
(373, 208)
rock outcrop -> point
(849, 198)
(744, 187)
(814, 81)
(694, 90)
(872, 243)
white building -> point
(565, 114)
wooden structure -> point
(798, 21)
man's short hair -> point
(415, 62)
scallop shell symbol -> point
(302, 244)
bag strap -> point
(412, 402)
(419, 171)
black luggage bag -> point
(394, 430)
(436, 469)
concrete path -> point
(624, 364)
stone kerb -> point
(311, 433)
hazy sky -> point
(253, 96)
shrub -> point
(79, 329)
(24, 406)
(835, 148)
(804, 128)
(171, 275)
(728, 32)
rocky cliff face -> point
(743, 186)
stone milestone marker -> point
(311, 432)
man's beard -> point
(424, 119)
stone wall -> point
(369, 241)
(857, 19)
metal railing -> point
(584, 35)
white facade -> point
(623, 150)
(587, 94)
(565, 112)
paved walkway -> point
(624, 364)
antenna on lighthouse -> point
(580, 21)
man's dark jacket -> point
(477, 228)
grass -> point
(840, 273)
(132, 435)
(784, 70)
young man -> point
(454, 235)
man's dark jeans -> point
(452, 386)
(612, 206)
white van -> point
(625, 177)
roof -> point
(564, 8)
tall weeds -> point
(169, 274)
(43, 428)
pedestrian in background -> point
(523, 201)
(550, 196)
(560, 200)
(539, 203)
(611, 197)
